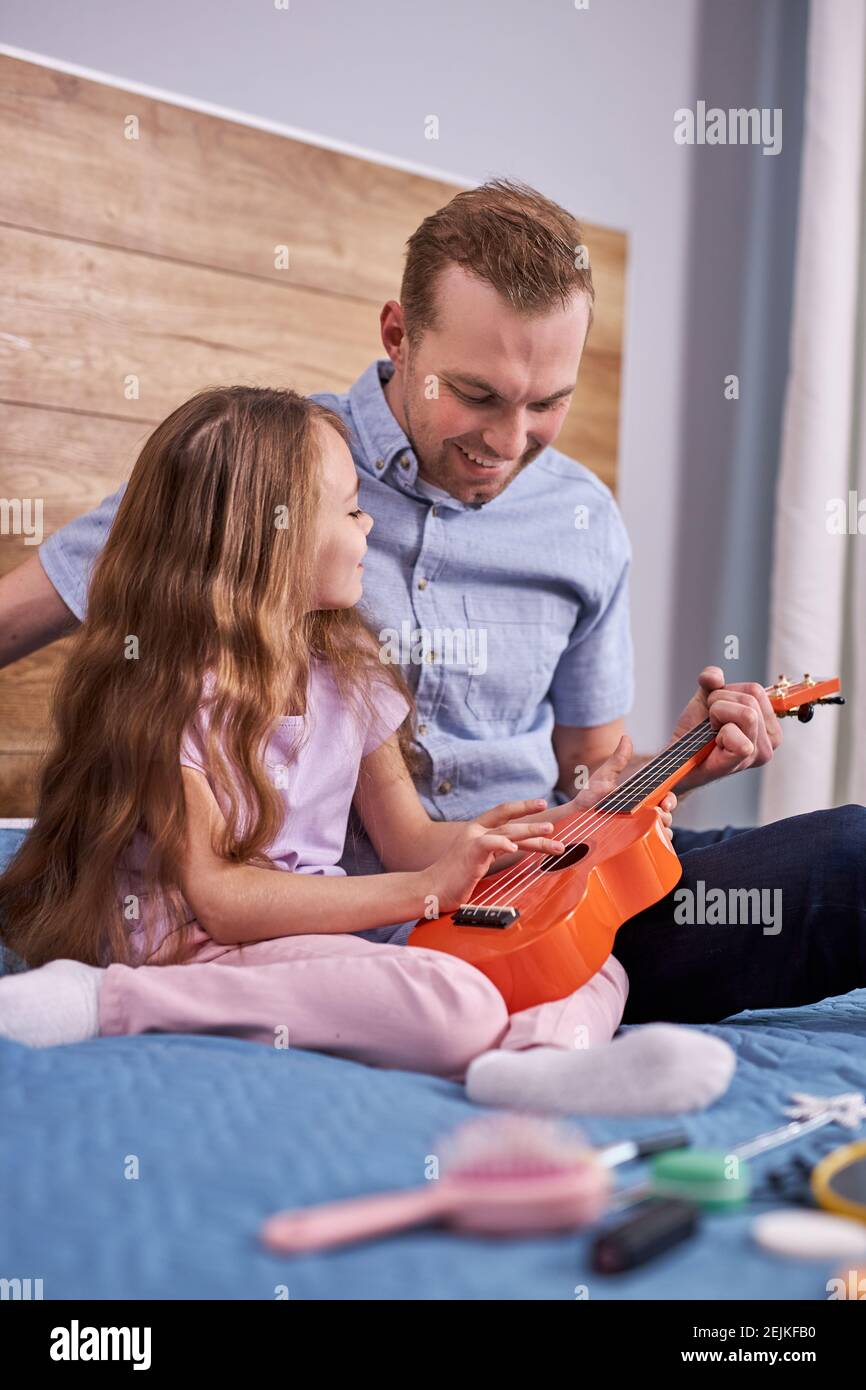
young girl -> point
(222, 705)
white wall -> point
(577, 102)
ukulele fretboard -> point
(641, 785)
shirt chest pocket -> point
(514, 646)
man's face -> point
(487, 382)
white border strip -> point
(15, 824)
(224, 113)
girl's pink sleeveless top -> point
(316, 788)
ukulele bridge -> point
(473, 915)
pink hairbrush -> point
(508, 1175)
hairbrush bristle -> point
(512, 1146)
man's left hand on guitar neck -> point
(747, 729)
(747, 734)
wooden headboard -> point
(142, 245)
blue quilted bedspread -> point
(142, 1167)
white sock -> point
(55, 1003)
(655, 1068)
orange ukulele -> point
(543, 927)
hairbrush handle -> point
(337, 1223)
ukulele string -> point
(635, 783)
(667, 760)
(592, 820)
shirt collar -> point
(385, 450)
(380, 436)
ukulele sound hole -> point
(552, 863)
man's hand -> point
(747, 730)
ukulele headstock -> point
(799, 698)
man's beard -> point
(449, 477)
(444, 473)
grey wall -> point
(742, 221)
(579, 103)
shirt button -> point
(422, 728)
(404, 462)
(444, 787)
(380, 463)
(434, 511)
(430, 655)
(422, 583)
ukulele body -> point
(568, 916)
(550, 920)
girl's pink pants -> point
(388, 1006)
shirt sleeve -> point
(594, 678)
(193, 741)
(391, 710)
(192, 748)
(68, 555)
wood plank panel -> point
(176, 328)
(70, 461)
(202, 189)
(217, 193)
(80, 320)
(18, 783)
(25, 697)
(586, 431)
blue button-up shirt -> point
(507, 617)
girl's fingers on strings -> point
(518, 830)
(499, 815)
(528, 838)
(492, 844)
(545, 845)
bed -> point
(141, 1168)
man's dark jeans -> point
(701, 972)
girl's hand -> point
(607, 777)
(451, 879)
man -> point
(497, 574)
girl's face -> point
(342, 526)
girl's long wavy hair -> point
(209, 566)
